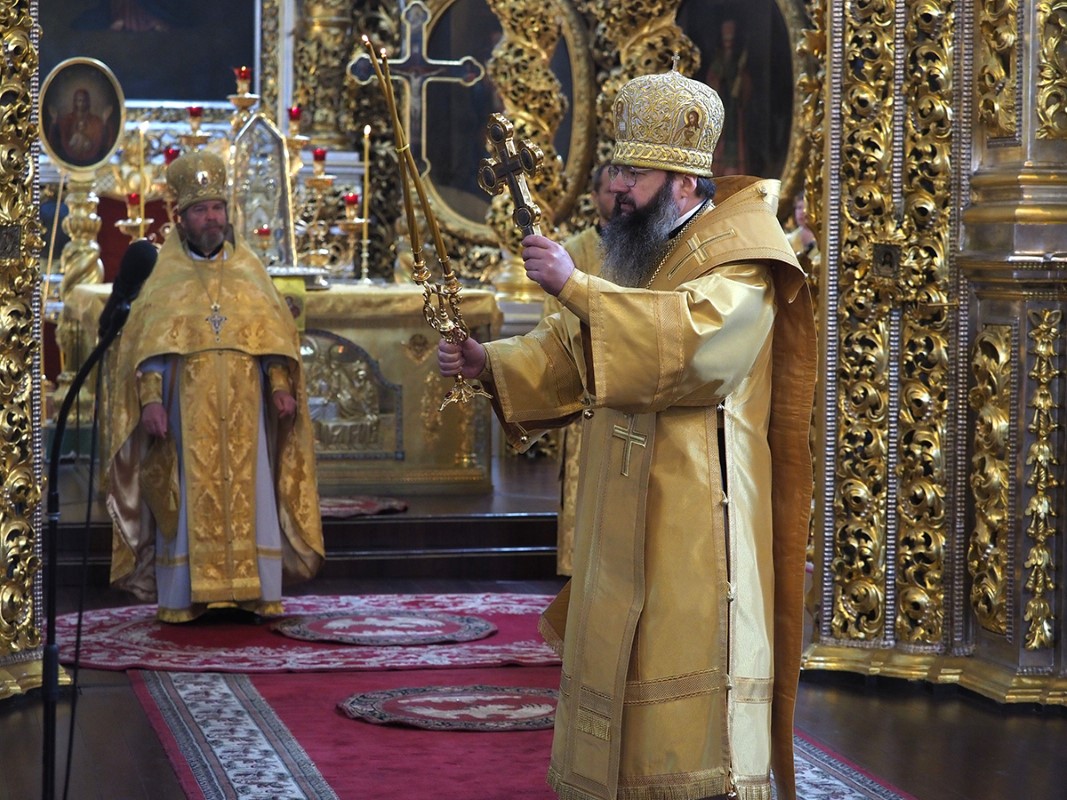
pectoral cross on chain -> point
(509, 167)
(215, 320)
(630, 437)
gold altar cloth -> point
(374, 389)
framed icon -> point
(82, 114)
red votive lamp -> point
(294, 114)
(243, 73)
(170, 154)
(351, 199)
(319, 154)
(133, 200)
(263, 230)
(196, 112)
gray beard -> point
(634, 245)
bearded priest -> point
(691, 361)
(211, 481)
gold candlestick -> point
(366, 185)
(445, 318)
(141, 130)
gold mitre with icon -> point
(197, 176)
(667, 121)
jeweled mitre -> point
(667, 121)
(196, 176)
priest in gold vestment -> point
(211, 480)
(692, 363)
(585, 250)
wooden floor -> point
(934, 743)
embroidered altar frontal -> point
(374, 391)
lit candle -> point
(170, 154)
(133, 200)
(263, 230)
(195, 113)
(319, 154)
(366, 177)
(243, 73)
(294, 120)
(351, 201)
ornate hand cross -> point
(417, 70)
(509, 167)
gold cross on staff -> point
(630, 437)
(509, 167)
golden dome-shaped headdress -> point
(197, 176)
(667, 121)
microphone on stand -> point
(137, 264)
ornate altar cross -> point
(415, 70)
(509, 167)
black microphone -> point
(137, 264)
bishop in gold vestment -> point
(584, 249)
(214, 501)
(681, 627)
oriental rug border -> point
(225, 741)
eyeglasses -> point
(629, 175)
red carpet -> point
(321, 753)
(132, 638)
(282, 735)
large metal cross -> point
(414, 70)
(508, 168)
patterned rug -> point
(281, 735)
(457, 708)
(385, 627)
(343, 507)
(131, 638)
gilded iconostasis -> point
(917, 144)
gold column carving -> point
(927, 320)
(995, 72)
(1046, 330)
(989, 545)
(322, 51)
(534, 102)
(21, 608)
(858, 557)
(1052, 71)
(80, 263)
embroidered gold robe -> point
(584, 250)
(229, 458)
(683, 621)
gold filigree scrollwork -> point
(533, 100)
(924, 405)
(810, 83)
(319, 67)
(20, 387)
(859, 547)
(1051, 102)
(1043, 462)
(995, 66)
(987, 550)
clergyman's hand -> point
(466, 359)
(547, 263)
(284, 403)
(154, 419)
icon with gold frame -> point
(82, 113)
